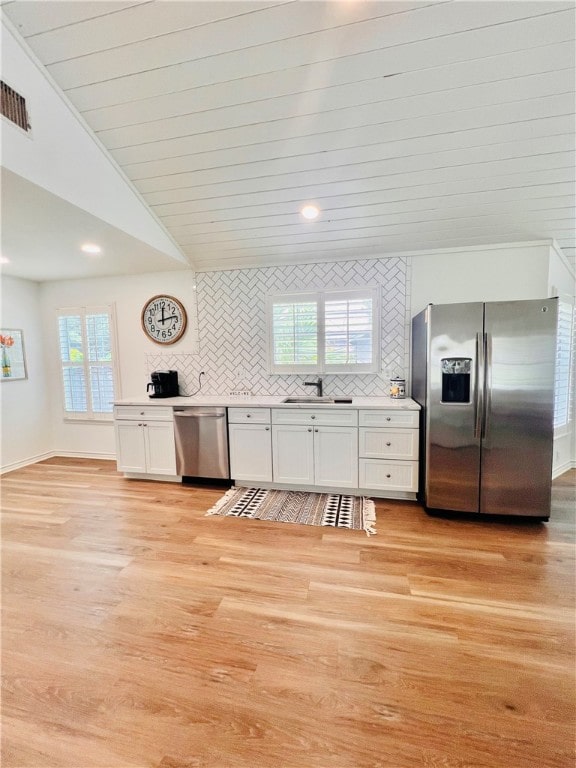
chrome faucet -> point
(317, 384)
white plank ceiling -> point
(412, 125)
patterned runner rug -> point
(330, 509)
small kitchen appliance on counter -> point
(163, 384)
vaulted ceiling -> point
(411, 125)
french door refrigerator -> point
(483, 374)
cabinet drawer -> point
(139, 412)
(326, 418)
(249, 415)
(388, 475)
(389, 418)
(376, 443)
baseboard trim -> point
(53, 454)
(25, 462)
(557, 471)
(85, 455)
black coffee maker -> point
(163, 384)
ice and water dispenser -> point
(456, 373)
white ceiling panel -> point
(38, 16)
(410, 124)
(371, 77)
(523, 36)
(552, 181)
(153, 20)
(315, 28)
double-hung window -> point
(332, 331)
(86, 343)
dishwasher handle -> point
(183, 414)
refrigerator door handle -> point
(479, 386)
(487, 385)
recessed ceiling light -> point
(91, 248)
(310, 211)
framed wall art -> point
(12, 354)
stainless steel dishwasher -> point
(201, 439)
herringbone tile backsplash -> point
(231, 314)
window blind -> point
(85, 338)
(325, 331)
(348, 331)
(565, 359)
(295, 333)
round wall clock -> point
(164, 319)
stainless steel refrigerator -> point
(483, 374)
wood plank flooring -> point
(138, 633)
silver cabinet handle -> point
(388, 475)
(141, 413)
(388, 444)
(309, 429)
(248, 415)
(315, 430)
(312, 417)
(267, 429)
(388, 418)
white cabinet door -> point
(250, 452)
(293, 454)
(130, 449)
(160, 448)
(336, 456)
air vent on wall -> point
(13, 106)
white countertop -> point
(406, 404)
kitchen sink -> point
(308, 400)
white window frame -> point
(321, 297)
(89, 415)
(565, 384)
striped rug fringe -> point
(369, 516)
(221, 502)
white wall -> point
(504, 272)
(25, 409)
(128, 294)
(60, 155)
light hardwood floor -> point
(138, 633)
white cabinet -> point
(389, 475)
(378, 443)
(250, 452)
(388, 450)
(370, 450)
(309, 453)
(130, 449)
(293, 454)
(250, 444)
(145, 440)
(336, 456)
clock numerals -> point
(164, 319)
